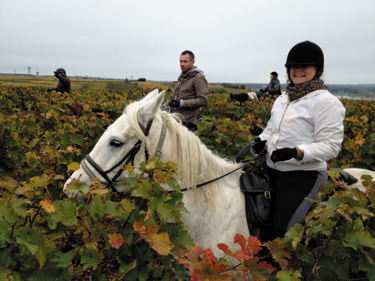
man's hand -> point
(174, 103)
(283, 154)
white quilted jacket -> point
(313, 123)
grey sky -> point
(239, 41)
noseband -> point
(128, 158)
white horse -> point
(216, 210)
(358, 173)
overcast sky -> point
(238, 41)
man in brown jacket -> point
(191, 91)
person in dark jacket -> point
(190, 93)
(64, 82)
(273, 88)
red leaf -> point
(205, 268)
(115, 240)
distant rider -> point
(64, 82)
(273, 88)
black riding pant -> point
(289, 204)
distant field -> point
(99, 84)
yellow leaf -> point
(351, 119)
(98, 191)
(359, 140)
(364, 118)
(159, 242)
(47, 205)
(73, 166)
(49, 115)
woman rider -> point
(305, 130)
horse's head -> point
(130, 139)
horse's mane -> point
(196, 163)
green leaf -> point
(73, 166)
(127, 205)
(37, 244)
(288, 275)
(6, 273)
(143, 190)
(66, 212)
(77, 139)
(5, 233)
(6, 259)
(64, 259)
(90, 258)
(183, 238)
(76, 186)
(359, 237)
(9, 183)
(11, 210)
(166, 211)
(294, 235)
(51, 273)
(100, 207)
(174, 184)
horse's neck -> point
(196, 163)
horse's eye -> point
(116, 143)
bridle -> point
(128, 158)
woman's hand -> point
(283, 154)
(258, 146)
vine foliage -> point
(44, 234)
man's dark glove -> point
(258, 146)
(174, 103)
(283, 154)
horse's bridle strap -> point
(128, 158)
(162, 137)
(87, 169)
(96, 167)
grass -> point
(100, 84)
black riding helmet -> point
(274, 73)
(60, 70)
(306, 53)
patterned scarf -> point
(297, 92)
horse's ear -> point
(150, 107)
(151, 95)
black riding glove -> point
(283, 154)
(174, 103)
(258, 146)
